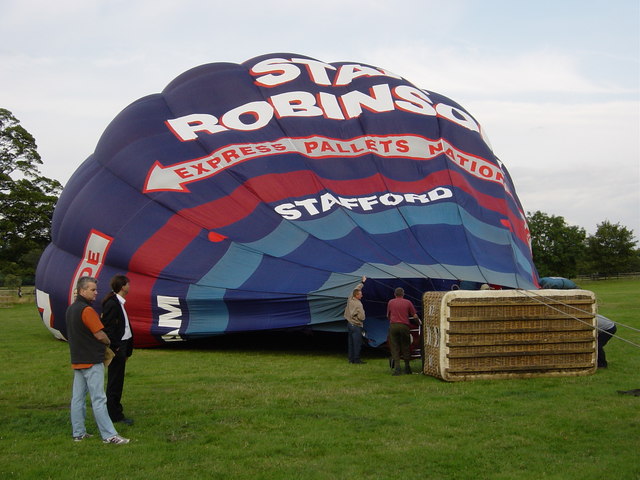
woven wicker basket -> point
(509, 333)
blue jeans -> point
(90, 380)
(355, 342)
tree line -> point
(564, 250)
(28, 199)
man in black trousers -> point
(117, 327)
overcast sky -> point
(555, 83)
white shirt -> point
(127, 328)
(604, 323)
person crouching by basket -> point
(606, 329)
(401, 313)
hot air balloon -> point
(254, 196)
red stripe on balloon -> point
(168, 242)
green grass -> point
(234, 409)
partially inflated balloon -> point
(255, 196)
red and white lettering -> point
(95, 251)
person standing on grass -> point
(118, 329)
(87, 345)
(400, 312)
(354, 314)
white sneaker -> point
(117, 439)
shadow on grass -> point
(294, 341)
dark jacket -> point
(114, 323)
(83, 345)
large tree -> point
(558, 248)
(27, 199)
(611, 249)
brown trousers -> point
(400, 343)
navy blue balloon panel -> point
(255, 197)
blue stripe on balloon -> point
(234, 268)
(281, 241)
(208, 312)
(332, 226)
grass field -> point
(262, 410)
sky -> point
(555, 84)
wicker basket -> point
(509, 333)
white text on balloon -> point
(256, 115)
(327, 202)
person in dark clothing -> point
(118, 329)
(606, 329)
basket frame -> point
(490, 334)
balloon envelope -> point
(255, 196)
